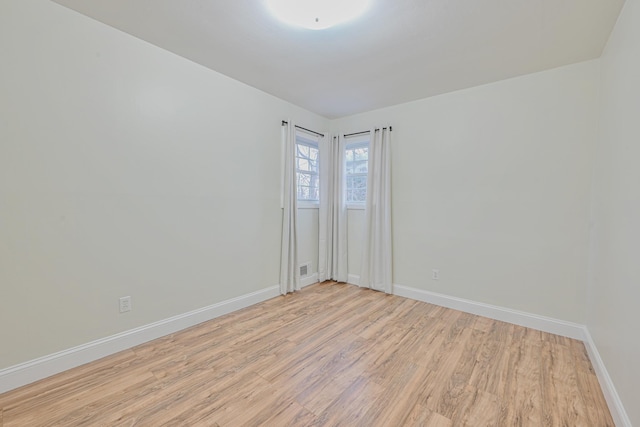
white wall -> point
(115, 166)
(613, 317)
(491, 185)
(125, 170)
(308, 238)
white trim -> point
(362, 139)
(356, 206)
(522, 318)
(309, 280)
(616, 408)
(308, 204)
(43, 367)
(534, 321)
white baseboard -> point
(616, 408)
(43, 367)
(534, 321)
(309, 280)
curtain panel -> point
(376, 268)
(289, 273)
(332, 227)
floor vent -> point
(304, 270)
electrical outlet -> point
(125, 304)
(435, 274)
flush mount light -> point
(317, 14)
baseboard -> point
(534, 321)
(43, 367)
(309, 280)
(616, 408)
(37, 369)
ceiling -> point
(399, 51)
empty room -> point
(317, 213)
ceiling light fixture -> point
(317, 14)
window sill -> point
(355, 206)
(308, 205)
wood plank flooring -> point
(331, 354)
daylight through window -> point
(357, 166)
(307, 177)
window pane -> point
(361, 166)
(361, 153)
(303, 150)
(355, 182)
(357, 165)
(303, 165)
(350, 168)
(303, 193)
(313, 153)
(307, 168)
(314, 194)
(349, 154)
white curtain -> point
(332, 227)
(289, 273)
(376, 266)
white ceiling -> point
(400, 50)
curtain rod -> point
(366, 131)
(284, 122)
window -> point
(307, 177)
(357, 166)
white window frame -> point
(352, 142)
(302, 138)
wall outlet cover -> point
(125, 304)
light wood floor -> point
(331, 354)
